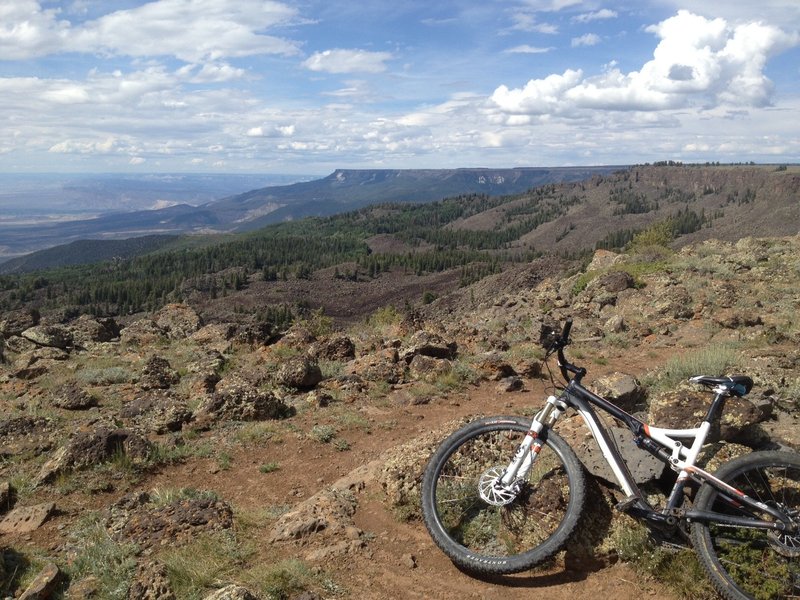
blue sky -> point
(312, 85)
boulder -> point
(158, 411)
(428, 344)
(52, 336)
(179, 321)
(238, 400)
(71, 396)
(14, 322)
(494, 367)
(151, 582)
(621, 389)
(427, 368)
(383, 366)
(143, 332)
(136, 518)
(299, 372)
(338, 347)
(157, 374)
(87, 330)
(683, 408)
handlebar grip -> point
(565, 332)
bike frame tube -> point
(672, 451)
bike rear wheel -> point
(745, 563)
(489, 538)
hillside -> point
(176, 454)
(341, 191)
(402, 251)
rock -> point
(43, 585)
(615, 324)
(179, 321)
(87, 588)
(643, 466)
(26, 518)
(52, 336)
(612, 282)
(215, 336)
(510, 384)
(339, 347)
(157, 374)
(330, 510)
(299, 372)
(151, 582)
(71, 396)
(428, 344)
(89, 447)
(381, 366)
(159, 411)
(681, 408)
(25, 434)
(143, 332)
(621, 389)
(409, 561)
(86, 330)
(231, 592)
(238, 400)
(134, 518)
(5, 496)
(427, 368)
(15, 322)
(494, 367)
(603, 260)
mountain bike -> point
(503, 494)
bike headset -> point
(555, 342)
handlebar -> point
(558, 343)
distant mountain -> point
(341, 191)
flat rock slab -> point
(26, 518)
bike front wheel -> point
(745, 563)
(500, 535)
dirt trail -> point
(400, 560)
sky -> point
(309, 86)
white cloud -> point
(137, 160)
(341, 60)
(527, 22)
(598, 15)
(527, 49)
(697, 63)
(191, 30)
(589, 39)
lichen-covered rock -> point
(494, 367)
(52, 336)
(137, 518)
(337, 347)
(621, 389)
(231, 592)
(381, 366)
(428, 344)
(179, 321)
(682, 408)
(299, 372)
(142, 333)
(93, 446)
(14, 322)
(159, 411)
(426, 368)
(151, 582)
(238, 400)
(71, 396)
(157, 374)
(87, 330)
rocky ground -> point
(176, 456)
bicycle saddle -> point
(737, 385)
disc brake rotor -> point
(493, 491)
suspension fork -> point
(534, 440)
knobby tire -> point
(486, 539)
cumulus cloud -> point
(523, 21)
(698, 62)
(191, 30)
(589, 39)
(340, 60)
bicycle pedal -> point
(626, 504)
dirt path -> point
(400, 560)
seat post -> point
(717, 405)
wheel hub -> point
(493, 491)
